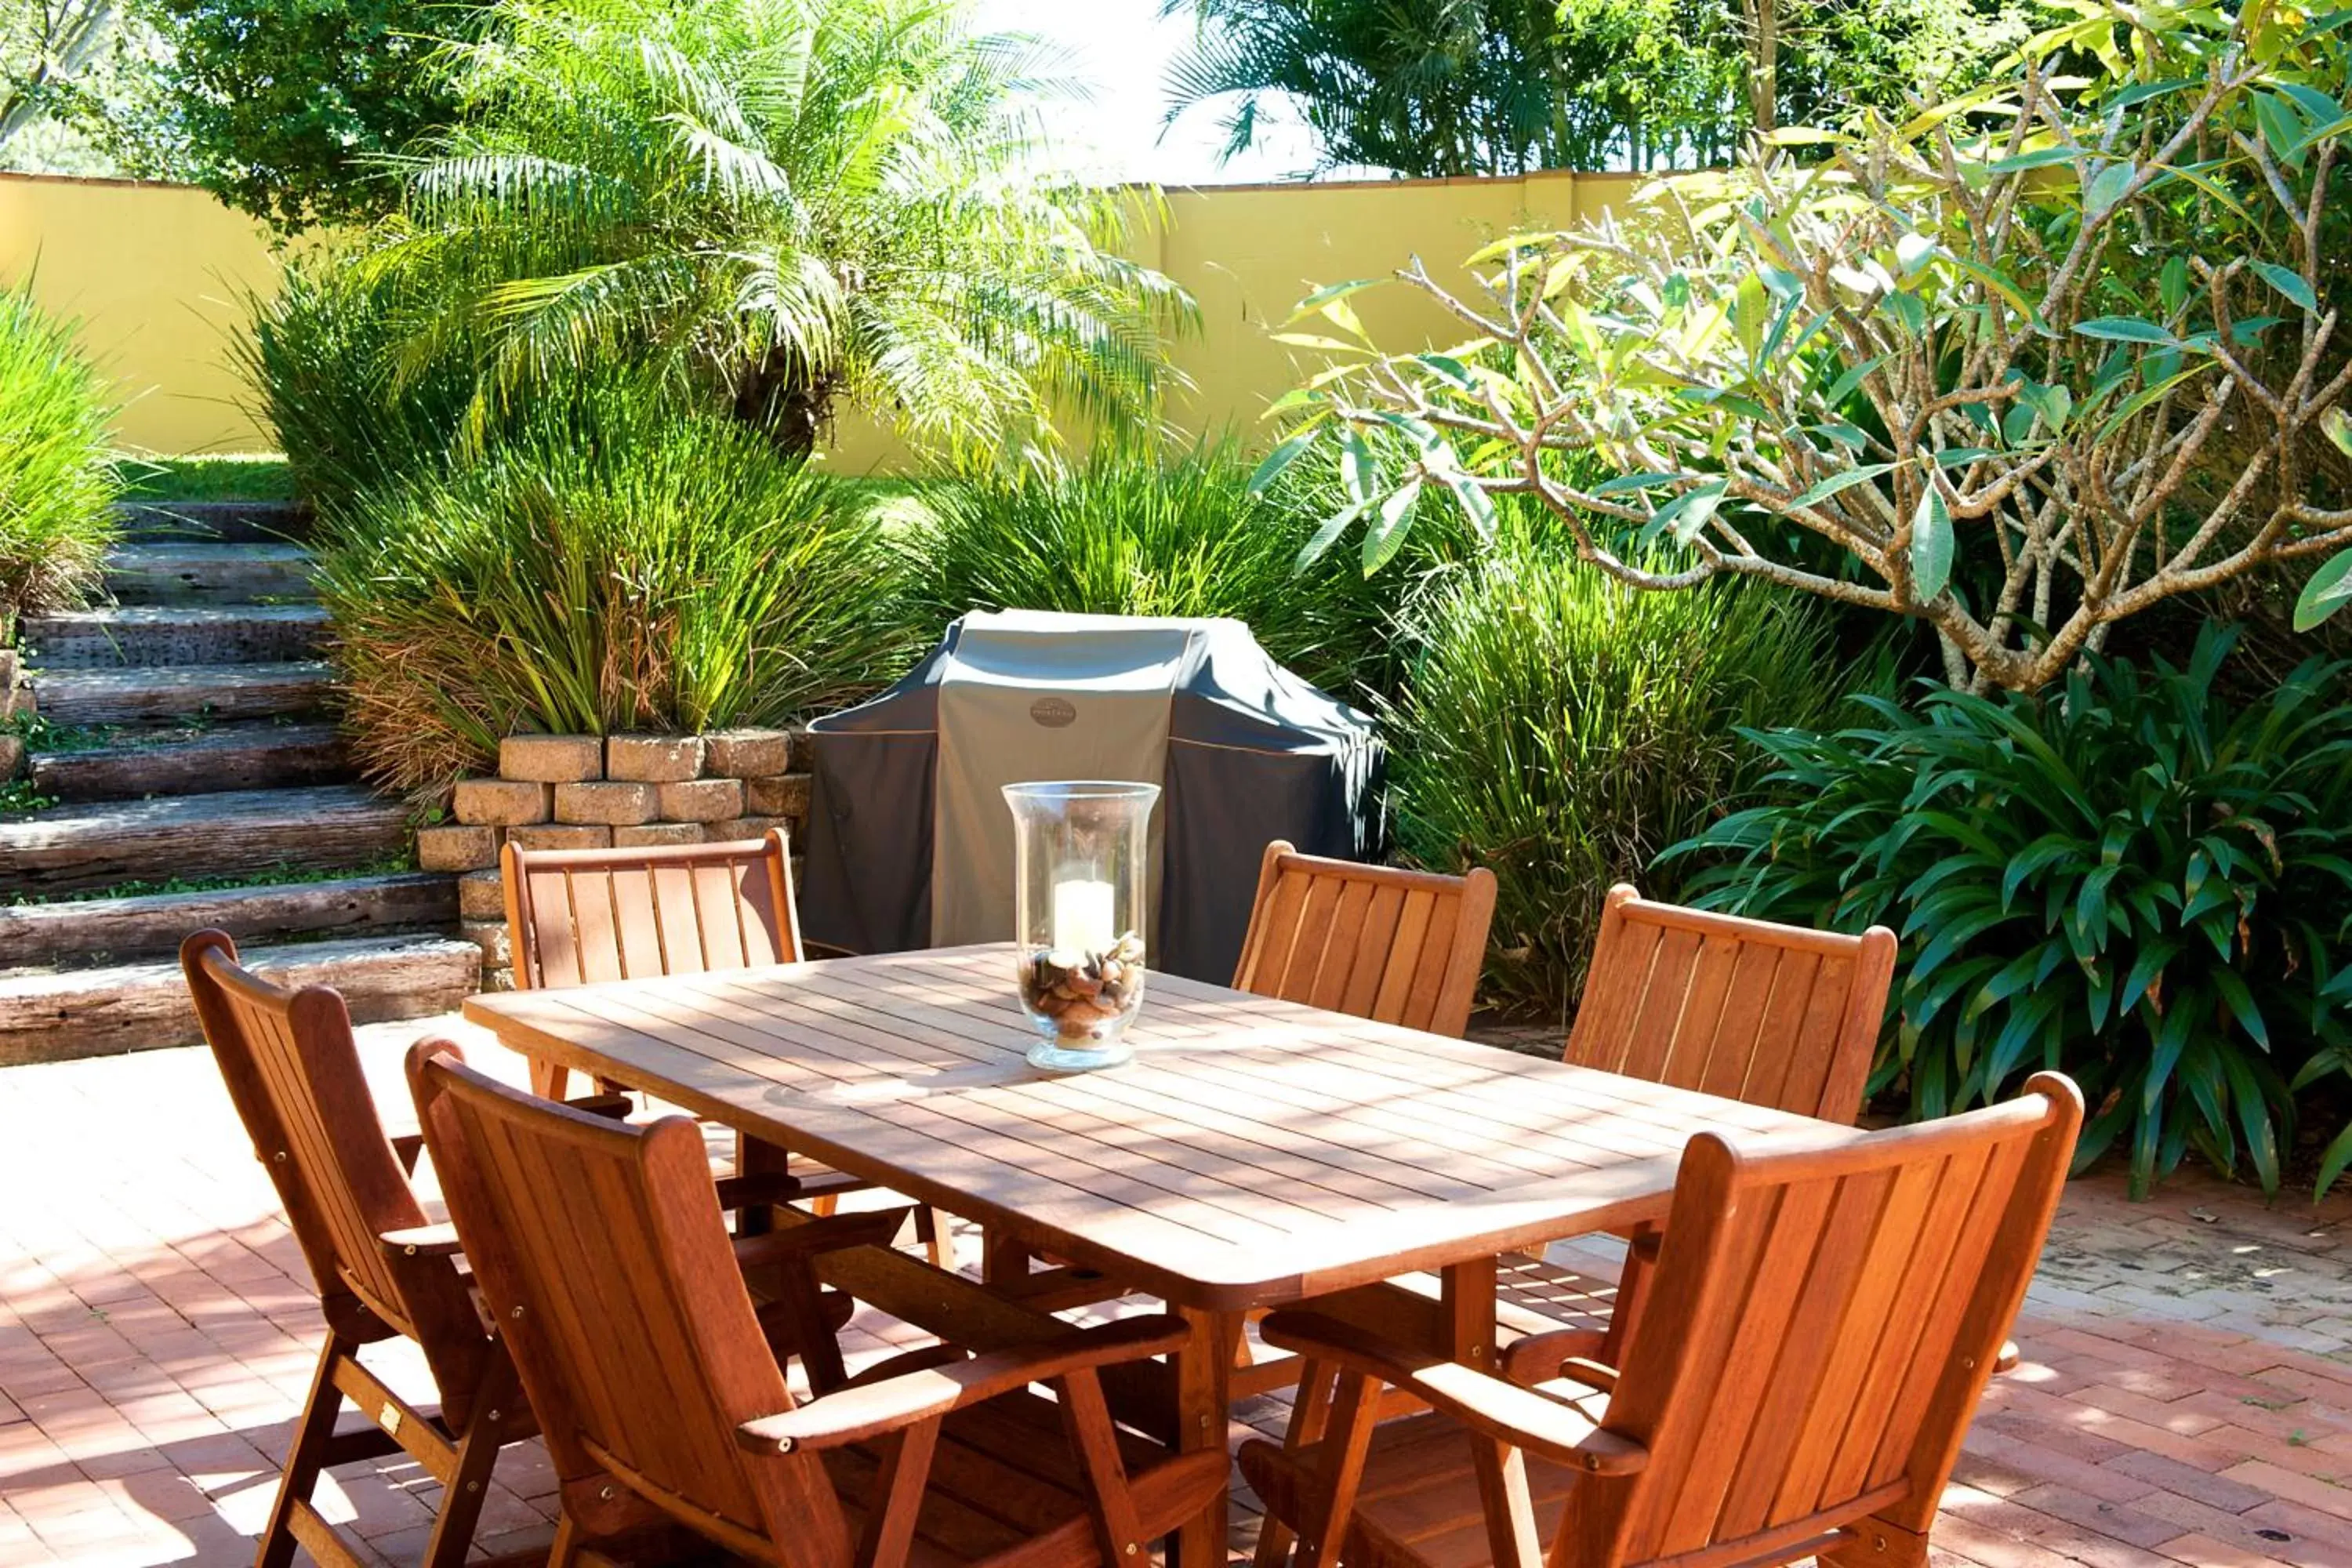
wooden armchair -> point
(1401, 947)
(578, 917)
(1772, 1015)
(1825, 1316)
(600, 1252)
(383, 1269)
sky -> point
(1120, 49)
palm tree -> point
(785, 204)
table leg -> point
(1203, 1401)
(1467, 1296)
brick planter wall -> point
(588, 792)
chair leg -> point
(1308, 1417)
(468, 1489)
(305, 1456)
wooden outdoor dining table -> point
(1256, 1152)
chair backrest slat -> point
(294, 1071)
(1401, 947)
(1771, 1014)
(602, 1252)
(1822, 1324)
(577, 917)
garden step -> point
(230, 833)
(57, 1015)
(154, 696)
(176, 574)
(155, 634)
(83, 930)
(236, 757)
(222, 522)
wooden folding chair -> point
(577, 917)
(383, 1271)
(600, 1252)
(1825, 1318)
(1403, 947)
(1771, 1014)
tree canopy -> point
(1502, 87)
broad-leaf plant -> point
(2025, 364)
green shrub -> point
(1126, 532)
(208, 477)
(2132, 878)
(56, 486)
(611, 564)
(331, 361)
(1560, 730)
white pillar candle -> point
(1084, 916)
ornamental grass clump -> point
(2130, 879)
(1560, 730)
(56, 486)
(613, 564)
(1127, 531)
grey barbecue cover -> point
(909, 842)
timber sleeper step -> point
(233, 832)
(235, 757)
(80, 696)
(59, 1017)
(172, 634)
(150, 925)
(220, 521)
(171, 573)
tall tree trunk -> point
(1763, 17)
(774, 397)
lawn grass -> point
(224, 476)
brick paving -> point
(2186, 1395)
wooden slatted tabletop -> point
(1256, 1152)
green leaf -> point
(1358, 472)
(1475, 503)
(2126, 330)
(1281, 457)
(1821, 490)
(1385, 538)
(1449, 369)
(1845, 384)
(2337, 428)
(2107, 187)
(1686, 513)
(2338, 1154)
(1914, 251)
(1931, 544)
(1321, 297)
(2289, 283)
(2329, 588)
(1328, 534)
(1625, 483)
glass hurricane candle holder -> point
(1080, 848)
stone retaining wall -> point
(593, 792)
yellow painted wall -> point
(155, 274)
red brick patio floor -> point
(2186, 1395)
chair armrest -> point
(853, 1414)
(833, 1233)
(1562, 1353)
(422, 1241)
(1519, 1416)
(615, 1106)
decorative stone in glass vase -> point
(1080, 857)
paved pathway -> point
(2186, 1396)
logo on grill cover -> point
(1053, 712)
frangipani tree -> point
(2026, 365)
